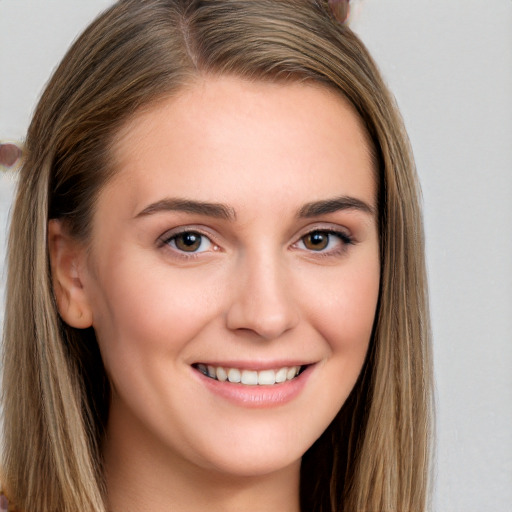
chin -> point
(259, 452)
(255, 466)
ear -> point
(67, 262)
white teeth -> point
(221, 374)
(234, 375)
(250, 377)
(267, 377)
(281, 375)
(292, 372)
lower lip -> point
(257, 396)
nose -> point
(262, 299)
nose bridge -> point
(263, 300)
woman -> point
(216, 277)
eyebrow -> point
(336, 204)
(222, 211)
(216, 210)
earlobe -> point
(66, 262)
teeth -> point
(234, 375)
(202, 368)
(281, 375)
(250, 377)
(221, 374)
(292, 372)
(267, 377)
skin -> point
(255, 292)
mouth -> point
(269, 377)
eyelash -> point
(344, 238)
(167, 241)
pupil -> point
(317, 240)
(188, 241)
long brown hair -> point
(375, 455)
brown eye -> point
(316, 241)
(325, 241)
(189, 241)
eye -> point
(189, 241)
(324, 241)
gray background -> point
(449, 63)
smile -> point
(250, 377)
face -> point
(233, 273)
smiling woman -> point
(217, 243)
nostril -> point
(9, 154)
(265, 319)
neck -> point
(143, 476)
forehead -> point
(223, 135)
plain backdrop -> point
(449, 63)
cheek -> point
(345, 318)
(345, 312)
(144, 315)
